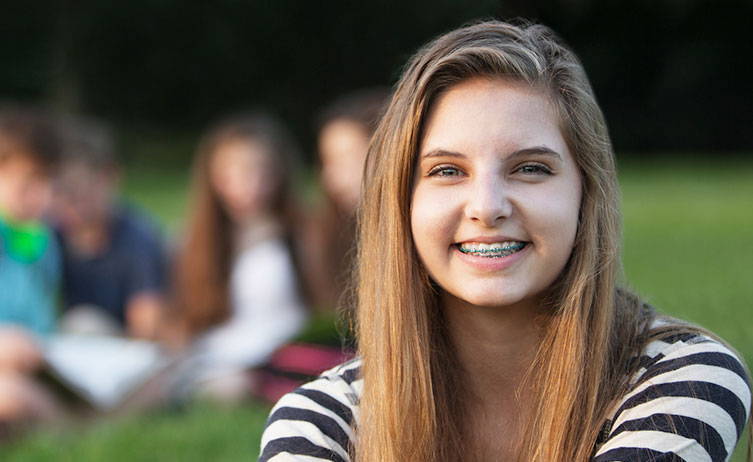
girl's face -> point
(343, 145)
(243, 175)
(496, 197)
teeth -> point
(493, 250)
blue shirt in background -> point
(133, 263)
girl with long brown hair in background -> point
(236, 294)
(490, 320)
(345, 128)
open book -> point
(103, 371)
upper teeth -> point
(493, 249)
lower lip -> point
(491, 263)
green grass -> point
(164, 192)
(688, 244)
(688, 248)
(200, 433)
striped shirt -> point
(688, 402)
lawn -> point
(688, 248)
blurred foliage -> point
(670, 74)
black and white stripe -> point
(688, 402)
(314, 423)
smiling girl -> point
(489, 318)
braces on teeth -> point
(498, 252)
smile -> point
(493, 250)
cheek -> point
(418, 223)
(432, 224)
(552, 218)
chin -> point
(490, 300)
(496, 303)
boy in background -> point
(113, 260)
(29, 259)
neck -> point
(254, 230)
(494, 346)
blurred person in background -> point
(237, 295)
(114, 268)
(29, 260)
(345, 128)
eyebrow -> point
(538, 150)
(438, 152)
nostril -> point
(489, 213)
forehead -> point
(491, 111)
(342, 139)
(80, 174)
(242, 156)
(241, 150)
(342, 128)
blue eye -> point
(534, 169)
(444, 171)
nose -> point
(488, 201)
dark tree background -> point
(671, 75)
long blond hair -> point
(411, 405)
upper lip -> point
(489, 240)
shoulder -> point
(314, 423)
(689, 399)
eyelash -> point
(532, 168)
(540, 169)
(437, 171)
